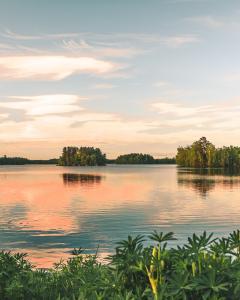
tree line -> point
(5, 160)
(140, 158)
(88, 156)
(203, 154)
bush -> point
(204, 268)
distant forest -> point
(23, 161)
(88, 156)
(139, 158)
(203, 154)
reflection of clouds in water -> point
(81, 179)
(57, 208)
(96, 230)
(13, 213)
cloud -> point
(17, 36)
(180, 110)
(168, 90)
(44, 104)
(97, 49)
(142, 39)
(63, 119)
(107, 44)
(208, 21)
(214, 22)
(59, 117)
(89, 117)
(50, 67)
(4, 46)
(176, 117)
(180, 40)
(103, 86)
(3, 116)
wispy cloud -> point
(213, 117)
(82, 47)
(216, 22)
(60, 55)
(180, 40)
(208, 21)
(28, 37)
(114, 43)
(168, 90)
(60, 116)
(51, 67)
(181, 110)
(5, 46)
(132, 40)
(44, 104)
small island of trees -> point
(203, 154)
(83, 156)
(135, 158)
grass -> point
(204, 268)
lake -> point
(47, 210)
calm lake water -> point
(48, 210)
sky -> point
(124, 76)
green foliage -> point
(25, 161)
(87, 156)
(13, 160)
(203, 154)
(52, 161)
(135, 158)
(204, 268)
(83, 156)
(165, 161)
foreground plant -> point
(203, 268)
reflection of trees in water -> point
(81, 179)
(211, 172)
(201, 186)
(205, 180)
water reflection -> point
(82, 179)
(47, 210)
(202, 181)
(210, 172)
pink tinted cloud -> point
(51, 67)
